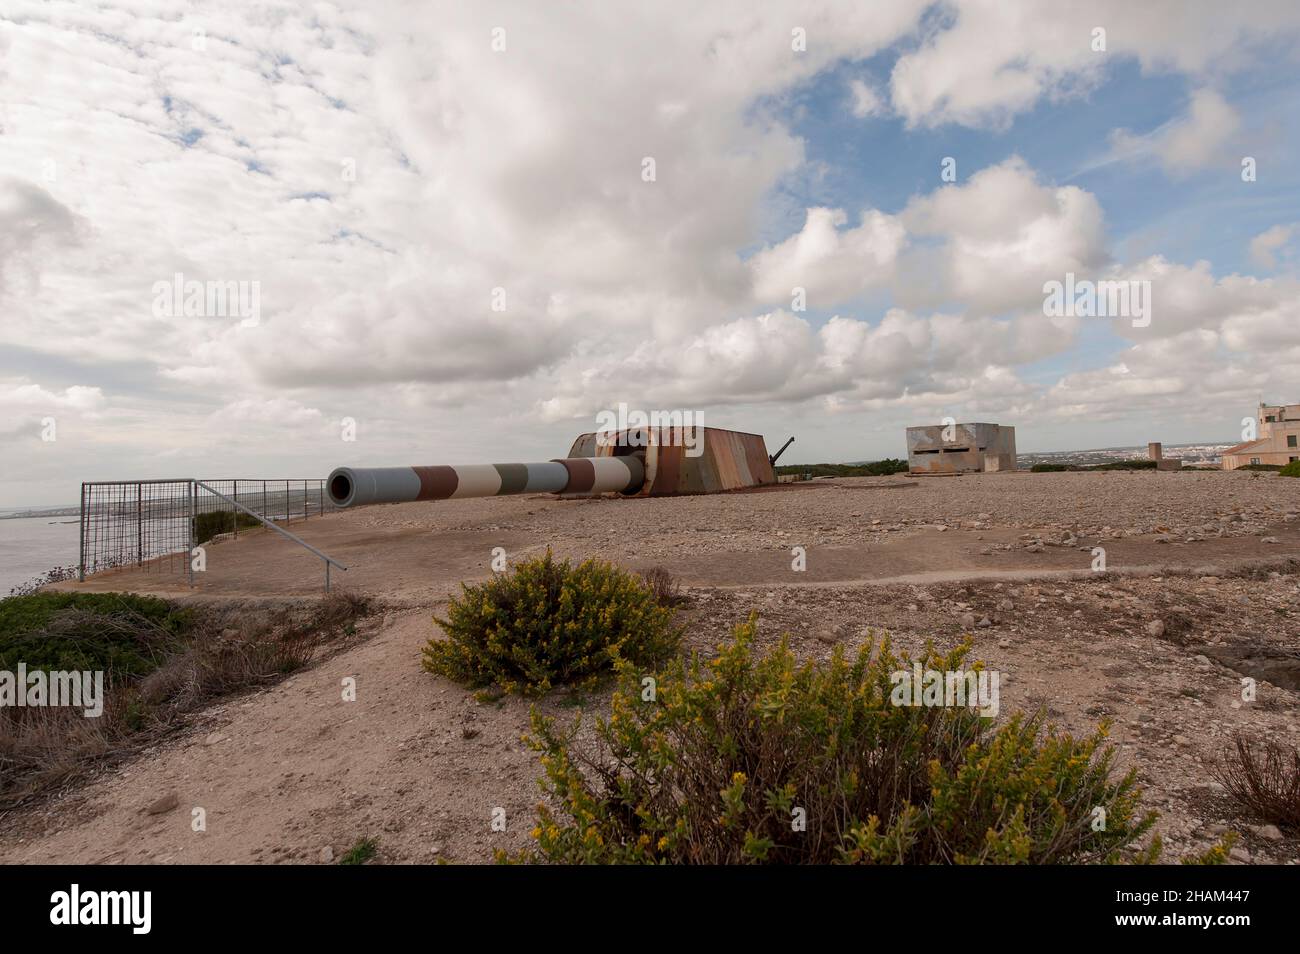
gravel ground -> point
(1102, 504)
(1202, 590)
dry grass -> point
(667, 591)
(1264, 778)
(223, 653)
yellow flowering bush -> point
(746, 758)
(547, 623)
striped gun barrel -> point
(353, 486)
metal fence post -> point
(81, 546)
(189, 555)
(139, 524)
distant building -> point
(1156, 452)
(969, 449)
(1277, 441)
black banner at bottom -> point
(332, 903)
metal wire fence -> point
(155, 524)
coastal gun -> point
(639, 462)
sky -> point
(461, 231)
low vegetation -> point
(548, 623)
(158, 661)
(761, 759)
(877, 468)
(1141, 464)
(363, 852)
(55, 574)
(1264, 779)
(1291, 470)
(120, 633)
(214, 522)
(667, 591)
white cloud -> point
(831, 263)
(1200, 139)
(866, 101)
(33, 226)
(25, 397)
(986, 62)
(1265, 246)
(997, 238)
(987, 244)
(780, 357)
(1186, 298)
(26, 406)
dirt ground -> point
(1201, 587)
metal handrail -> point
(278, 529)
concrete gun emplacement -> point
(642, 462)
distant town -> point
(1192, 455)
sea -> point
(34, 540)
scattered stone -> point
(327, 855)
(163, 805)
(1270, 832)
(967, 621)
(1156, 628)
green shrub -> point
(1291, 470)
(1142, 464)
(213, 522)
(1261, 468)
(120, 633)
(877, 468)
(715, 769)
(361, 853)
(547, 623)
(1051, 468)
